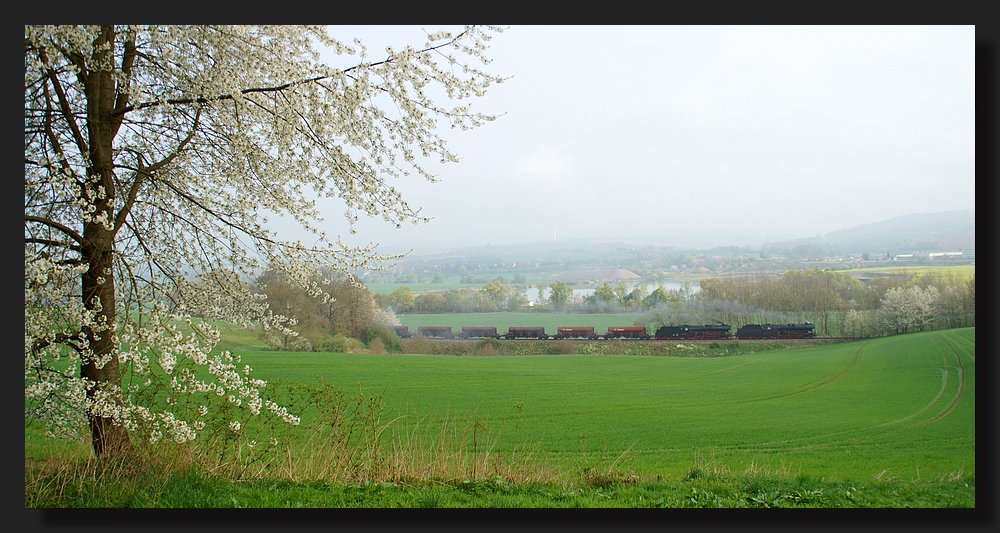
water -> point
(580, 293)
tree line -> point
(326, 321)
(840, 304)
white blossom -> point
(222, 128)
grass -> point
(878, 423)
(192, 489)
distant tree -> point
(620, 292)
(401, 300)
(348, 306)
(515, 300)
(636, 298)
(498, 296)
(660, 296)
(559, 295)
(430, 302)
(686, 291)
(542, 288)
(293, 302)
(860, 324)
(907, 310)
(460, 300)
(605, 293)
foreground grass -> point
(704, 430)
(901, 407)
(90, 485)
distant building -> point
(946, 255)
(969, 253)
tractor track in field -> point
(857, 355)
(843, 437)
(961, 384)
(811, 386)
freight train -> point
(684, 332)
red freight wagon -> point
(627, 332)
(575, 332)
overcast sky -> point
(758, 133)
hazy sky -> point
(662, 132)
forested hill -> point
(927, 232)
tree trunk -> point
(99, 296)
(98, 281)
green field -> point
(959, 272)
(899, 407)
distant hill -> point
(922, 232)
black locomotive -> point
(776, 331)
(720, 331)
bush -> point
(376, 346)
(560, 347)
(417, 344)
(488, 347)
(341, 344)
(386, 336)
(285, 343)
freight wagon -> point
(403, 332)
(438, 332)
(479, 332)
(575, 332)
(526, 332)
(627, 332)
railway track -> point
(683, 333)
(640, 341)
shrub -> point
(387, 337)
(286, 343)
(376, 346)
(341, 344)
(560, 347)
(488, 347)
(417, 345)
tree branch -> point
(149, 171)
(70, 232)
(64, 106)
(279, 88)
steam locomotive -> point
(684, 332)
(776, 331)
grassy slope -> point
(814, 437)
(901, 406)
